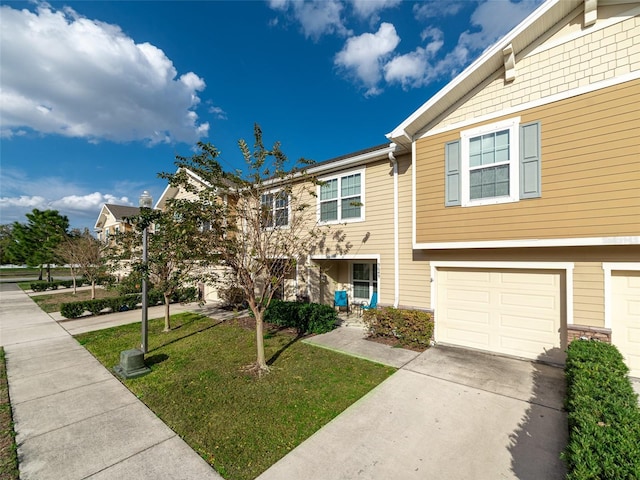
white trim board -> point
(531, 242)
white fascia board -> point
(351, 161)
(495, 51)
(547, 242)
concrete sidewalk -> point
(73, 418)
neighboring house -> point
(368, 236)
(113, 220)
(208, 293)
(526, 188)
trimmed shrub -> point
(304, 317)
(411, 327)
(232, 296)
(72, 309)
(185, 295)
(603, 414)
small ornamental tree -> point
(84, 255)
(180, 252)
(269, 222)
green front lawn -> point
(52, 302)
(238, 423)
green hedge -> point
(304, 317)
(410, 327)
(603, 414)
(123, 302)
(41, 286)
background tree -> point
(270, 222)
(83, 252)
(35, 243)
(5, 241)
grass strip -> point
(8, 449)
(240, 424)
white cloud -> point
(90, 203)
(24, 193)
(369, 9)
(437, 8)
(490, 21)
(68, 75)
(415, 69)
(219, 113)
(316, 17)
(363, 56)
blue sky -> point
(98, 97)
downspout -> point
(396, 259)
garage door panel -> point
(625, 321)
(464, 295)
(518, 312)
(469, 338)
(468, 318)
(535, 281)
(460, 277)
(524, 327)
(532, 300)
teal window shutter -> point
(452, 174)
(530, 147)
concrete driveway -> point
(450, 413)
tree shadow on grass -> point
(541, 436)
(170, 342)
(276, 355)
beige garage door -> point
(625, 319)
(514, 312)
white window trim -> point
(275, 193)
(362, 197)
(512, 125)
(371, 280)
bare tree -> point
(84, 255)
(269, 222)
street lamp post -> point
(145, 203)
(132, 361)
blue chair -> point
(373, 303)
(340, 299)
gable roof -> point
(119, 212)
(528, 31)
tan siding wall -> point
(415, 274)
(367, 239)
(588, 294)
(597, 55)
(590, 177)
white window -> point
(275, 209)
(490, 164)
(341, 198)
(364, 278)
